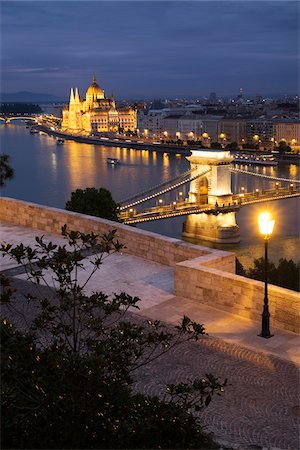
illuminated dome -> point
(95, 90)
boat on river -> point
(112, 161)
(259, 160)
(59, 141)
(33, 131)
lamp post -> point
(266, 225)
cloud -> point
(137, 45)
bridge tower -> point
(213, 189)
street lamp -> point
(266, 225)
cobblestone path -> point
(260, 406)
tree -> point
(258, 271)
(232, 146)
(286, 274)
(216, 145)
(67, 380)
(239, 269)
(6, 171)
(283, 148)
(94, 202)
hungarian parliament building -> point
(97, 113)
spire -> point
(77, 99)
(94, 78)
(72, 96)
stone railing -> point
(144, 244)
(201, 273)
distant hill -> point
(28, 97)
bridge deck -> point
(184, 208)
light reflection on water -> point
(46, 173)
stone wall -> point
(201, 273)
(151, 246)
(211, 282)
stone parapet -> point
(211, 281)
(144, 244)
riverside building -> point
(96, 113)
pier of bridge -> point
(213, 189)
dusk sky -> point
(151, 49)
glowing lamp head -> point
(266, 224)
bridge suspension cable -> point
(163, 191)
(289, 180)
(152, 188)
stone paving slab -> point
(261, 405)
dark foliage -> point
(94, 202)
(67, 381)
(216, 145)
(19, 108)
(232, 146)
(286, 274)
(6, 171)
(283, 148)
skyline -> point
(151, 49)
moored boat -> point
(59, 141)
(260, 160)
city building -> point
(232, 130)
(260, 132)
(287, 130)
(96, 113)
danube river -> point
(47, 173)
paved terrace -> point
(260, 408)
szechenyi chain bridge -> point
(210, 206)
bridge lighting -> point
(256, 191)
(165, 133)
(205, 135)
(277, 185)
(178, 134)
(291, 187)
(242, 189)
(266, 225)
(256, 137)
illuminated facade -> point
(96, 113)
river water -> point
(47, 173)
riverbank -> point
(116, 142)
(158, 147)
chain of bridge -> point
(162, 191)
(152, 188)
(287, 180)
